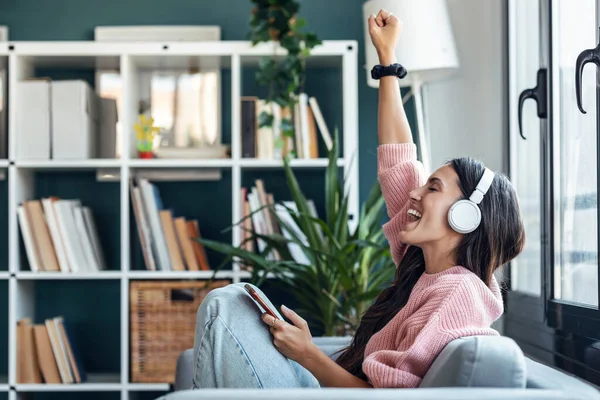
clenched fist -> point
(384, 29)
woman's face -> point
(428, 209)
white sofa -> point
(479, 367)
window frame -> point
(549, 330)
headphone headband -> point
(483, 186)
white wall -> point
(465, 114)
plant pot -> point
(145, 154)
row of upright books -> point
(60, 235)
(261, 215)
(46, 353)
(169, 242)
(269, 142)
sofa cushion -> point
(540, 376)
(332, 345)
(184, 371)
(478, 361)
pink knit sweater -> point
(444, 306)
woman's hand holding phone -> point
(293, 341)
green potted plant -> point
(276, 21)
(343, 269)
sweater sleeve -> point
(398, 172)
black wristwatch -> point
(380, 71)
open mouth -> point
(414, 215)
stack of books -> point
(60, 235)
(45, 353)
(168, 243)
(269, 142)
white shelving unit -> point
(22, 58)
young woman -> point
(444, 286)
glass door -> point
(526, 134)
(554, 57)
(575, 184)
(553, 147)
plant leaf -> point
(340, 229)
(265, 119)
(305, 224)
(331, 185)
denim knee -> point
(220, 295)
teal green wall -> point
(75, 20)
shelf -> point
(180, 163)
(179, 274)
(29, 275)
(167, 163)
(97, 303)
(253, 163)
(69, 164)
(329, 54)
(96, 382)
(244, 48)
(248, 275)
(181, 61)
(147, 387)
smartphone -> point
(259, 300)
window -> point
(575, 183)
(526, 270)
(553, 302)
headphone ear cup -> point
(464, 216)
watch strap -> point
(396, 69)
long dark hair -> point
(499, 238)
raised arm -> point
(398, 170)
(393, 127)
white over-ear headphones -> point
(465, 216)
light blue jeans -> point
(233, 347)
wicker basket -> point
(163, 320)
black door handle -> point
(586, 56)
(538, 93)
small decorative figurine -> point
(145, 133)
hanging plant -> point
(276, 21)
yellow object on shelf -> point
(145, 133)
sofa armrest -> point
(184, 370)
(373, 394)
